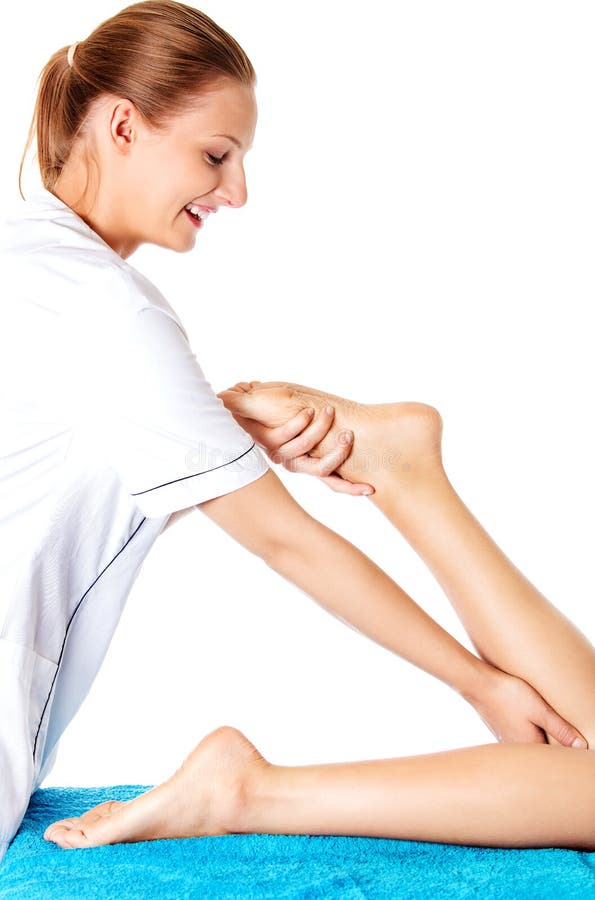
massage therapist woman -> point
(142, 129)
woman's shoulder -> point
(82, 283)
(46, 248)
(134, 293)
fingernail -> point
(310, 411)
(578, 743)
(328, 410)
(346, 436)
(367, 492)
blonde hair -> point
(160, 54)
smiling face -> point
(148, 177)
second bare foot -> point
(204, 797)
(403, 438)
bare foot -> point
(205, 797)
(404, 437)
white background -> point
(420, 226)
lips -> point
(203, 211)
(196, 220)
(198, 213)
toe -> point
(71, 838)
(77, 831)
(61, 823)
(78, 835)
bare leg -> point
(500, 795)
(508, 795)
(397, 449)
(511, 624)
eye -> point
(215, 161)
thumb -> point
(565, 733)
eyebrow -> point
(230, 138)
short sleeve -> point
(160, 424)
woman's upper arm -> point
(262, 516)
(144, 401)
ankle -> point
(397, 444)
(399, 494)
(247, 802)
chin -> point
(185, 246)
(178, 244)
(179, 240)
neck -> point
(95, 209)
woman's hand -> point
(281, 422)
(514, 711)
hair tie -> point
(71, 50)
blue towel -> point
(250, 866)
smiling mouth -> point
(196, 220)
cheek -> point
(166, 177)
(170, 180)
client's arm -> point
(265, 518)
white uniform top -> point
(107, 426)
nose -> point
(232, 190)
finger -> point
(311, 436)
(331, 461)
(561, 730)
(324, 466)
(272, 438)
(250, 425)
(280, 435)
(279, 438)
(255, 429)
(537, 734)
(342, 486)
(530, 734)
(259, 432)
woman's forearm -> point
(353, 588)
(265, 519)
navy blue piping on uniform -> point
(196, 474)
(68, 627)
(108, 565)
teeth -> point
(201, 213)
